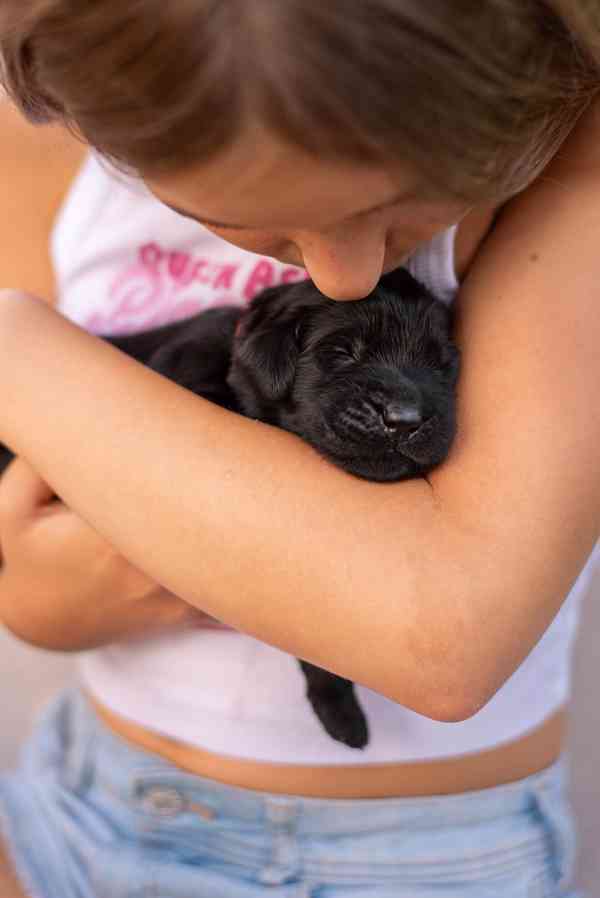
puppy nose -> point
(401, 416)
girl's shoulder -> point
(38, 164)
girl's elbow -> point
(444, 709)
(444, 697)
(459, 710)
(459, 692)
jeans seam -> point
(562, 840)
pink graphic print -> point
(162, 285)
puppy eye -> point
(341, 354)
(347, 351)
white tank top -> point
(124, 262)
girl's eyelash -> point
(220, 227)
(383, 208)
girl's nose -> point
(346, 265)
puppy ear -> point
(268, 345)
(272, 354)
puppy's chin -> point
(430, 444)
(383, 469)
(376, 456)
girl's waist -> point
(506, 763)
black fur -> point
(369, 384)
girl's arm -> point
(430, 593)
(62, 586)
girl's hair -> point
(476, 94)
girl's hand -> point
(62, 586)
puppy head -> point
(370, 384)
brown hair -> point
(477, 94)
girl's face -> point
(346, 224)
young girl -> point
(339, 140)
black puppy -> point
(369, 384)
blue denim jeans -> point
(87, 815)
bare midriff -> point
(506, 763)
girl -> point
(249, 145)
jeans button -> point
(164, 801)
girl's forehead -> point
(261, 183)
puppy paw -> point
(344, 721)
